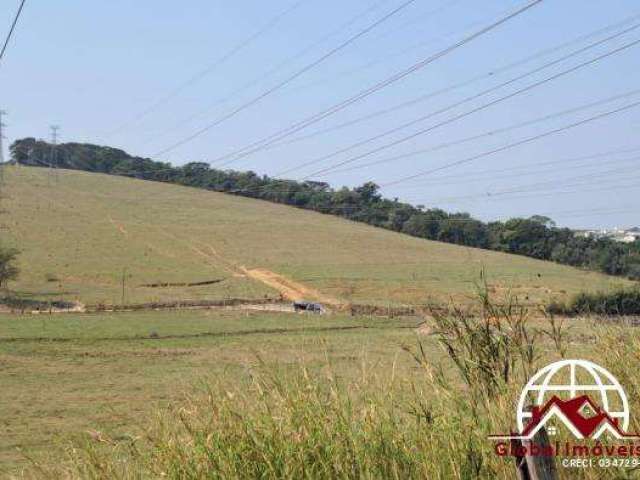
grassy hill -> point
(83, 236)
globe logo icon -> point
(571, 379)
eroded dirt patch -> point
(289, 289)
(181, 284)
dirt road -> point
(290, 289)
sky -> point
(146, 76)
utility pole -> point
(2, 125)
(2, 137)
(124, 276)
(53, 161)
(2, 165)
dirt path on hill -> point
(125, 233)
(290, 289)
(214, 258)
(118, 226)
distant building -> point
(617, 234)
(317, 185)
(630, 236)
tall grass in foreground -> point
(312, 425)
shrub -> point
(8, 268)
(51, 277)
(619, 302)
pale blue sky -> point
(93, 67)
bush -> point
(618, 302)
(51, 277)
(8, 268)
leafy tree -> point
(8, 268)
(542, 220)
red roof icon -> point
(573, 413)
(573, 410)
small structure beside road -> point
(304, 306)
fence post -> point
(538, 467)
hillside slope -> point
(98, 239)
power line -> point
(256, 146)
(583, 180)
(207, 70)
(494, 132)
(427, 96)
(508, 146)
(338, 75)
(289, 79)
(514, 144)
(474, 137)
(228, 97)
(529, 122)
(489, 133)
(474, 110)
(234, 93)
(13, 26)
(617, 187)
(467, 82)
(552, 162)
(444, 109)
(372, 63)
(582, 158)
(522, 170)
(419, 18)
